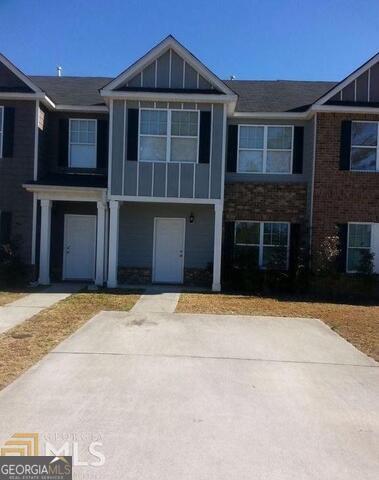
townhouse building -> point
(160, 174)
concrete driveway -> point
(177, 397)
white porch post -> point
(44, 254)
(100, 243)
(216, 285)
(113, 244)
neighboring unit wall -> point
(285, 202)
(17, 170)
(340, 196)
(130, 177)
(56, 132)
(137, 235)
(271, 197)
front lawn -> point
(8, 297)
(27, 343)
(359, 324)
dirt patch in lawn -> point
(359, 324)
(8, 297)
(25, 344)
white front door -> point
(169, 239)
(79, 247)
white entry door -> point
(169, 239)
(79, 247)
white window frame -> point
(370, 248)
(365, 146)
(1, 130)
(261, 245)
(265, 149)
(168, 135)
(91, 144)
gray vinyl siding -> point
(169, 71)
(281, 178)
(17, 170)
(161, 179)
(364, 88)
(136, 235)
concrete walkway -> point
(157, 300)
(20, 310)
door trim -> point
(66, 215)
(156, 219)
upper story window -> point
(82, 144)
(265, 149)
(1, 130)
(169, 135)
(364, 146)
(269, 242)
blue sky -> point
(252, 39)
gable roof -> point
(253, 95)
(19, 74)
(169, 43)
(343, 83)
(277, 95)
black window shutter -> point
(63, 143)
(102, 144)
(8, 135)
(345, 145)
(228, 245)
(342, 234)
(295, 239)
(205, 137)
(132, 150)
(5, 227)
(231, 164)
(298, 146)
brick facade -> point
(266, 202)
(340, 196)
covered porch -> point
(165, 242)
(70, 233)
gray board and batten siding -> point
(130, 177)
(169, 70)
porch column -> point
(216, 285)
(44, 254)
(113, 244)
(100, 244)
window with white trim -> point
(359, 245)
(364, 154)
(82, 143)
(169, 135)
(1, 130)
(269, 242)
(265, 149)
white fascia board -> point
(170, 97)
(344, 109)
(341, 85)
(154, 53)
(82, 108)
(19, 74)
(62, 193)
(274, 115)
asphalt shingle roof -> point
(253, 95)
(276, 95)
(83, 91)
